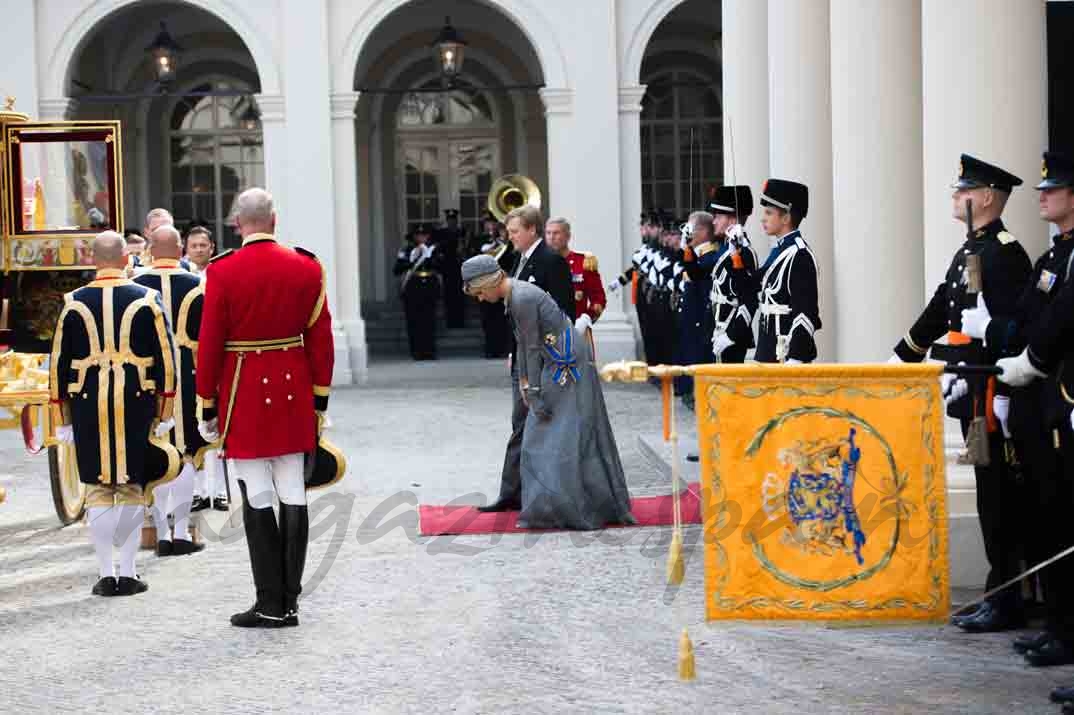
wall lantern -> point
(165, 54)
(449, 50)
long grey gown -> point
(571, 474)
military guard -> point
(265, 359)
(733, 313)
(993, 262)
(450, 241)
(589, 297)
(696, 321)
(493, 319)
(112, 378)
(182, 295)
(421, 266)
(786, 285)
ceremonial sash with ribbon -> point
(565, 361)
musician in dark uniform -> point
(182, 295)
(112, 377)
(733, 313)
(696, 322)
(786, 285)
(493, 319)
(661, 300)
(538, 264)
(450, 242)
(1004, 272)
(421, 266)
(1039, 414)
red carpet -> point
(649, 511)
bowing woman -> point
(571, 474)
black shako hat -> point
(1056, 171)
(786, 195)
(734, 200)
(974, 173)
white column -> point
(562, 164)
(745, 102)
(876, 162)
(57, 109)
(274, 142)
(984, 73)
(800, 125)
(345, 181)
(629, 186)
(18, 37)
(308, 209)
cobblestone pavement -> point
(394, 623)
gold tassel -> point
(687, 666)
(676, 565)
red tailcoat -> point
(266, 303)
(588, 290)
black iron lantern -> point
(449, 50)
(250, 119)
(165, 53)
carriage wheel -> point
(68, 493)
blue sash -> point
(564, 361)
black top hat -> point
(734, 200)
(974, 173)
(786, 195)
(1057, 170)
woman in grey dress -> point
(571, 474)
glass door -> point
(438, 175)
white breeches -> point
(283, 476)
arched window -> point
(681, 141)
(216, 153)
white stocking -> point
(128, 536)
(102, 522)
(182, 492)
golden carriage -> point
(60, 185)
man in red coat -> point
(589, 297)
(265, 359)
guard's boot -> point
(263, 540)
(295, 529)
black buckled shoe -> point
(1030, 641)
(1062, 694)
(182, 547)
(128, 586)
(221, 504)
(259, 616)
(501, 505)
(200, 504)
(1054, 652)
(165, 548)
(105, 587)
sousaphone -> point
(510, 192)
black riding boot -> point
(295, 529)
(263, 540)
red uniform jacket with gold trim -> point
(588, 290)
(262, 293)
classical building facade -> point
(613, 106)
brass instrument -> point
(510, 192)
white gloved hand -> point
(975, 320)
(947, 379)
(164, 428)
(613, 287)
(721, 342)
(1018, 371)
(792, 361)
(209, 429)
(585, 322)
(1001, 408)
(427, 250)
(65, 434)
(959, 389)
(736, 232)
(895, 360)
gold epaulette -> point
(1005, 237)
(589, 262)
(218, 256)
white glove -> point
(1018, 371)
(895, 360)
(947, 379)
(1001, 408)
(959, 389)
(583, 323)
(209, 430)
(736, 232)
(792, 361)
(613, 287)
(975, 320)
(415, 253)
(721, 342)
(65, 434)
(164, 428)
